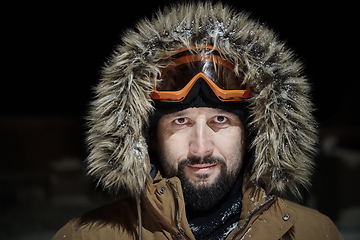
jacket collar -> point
(164, 201)
(261, 216)
(255, 201)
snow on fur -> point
(280, 107)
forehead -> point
(200, 111)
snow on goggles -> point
(178, 79)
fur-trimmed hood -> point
(280, 108)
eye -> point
(220, 119)
(180, 121)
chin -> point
(202, 180)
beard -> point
(202, 195)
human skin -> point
(200, 133)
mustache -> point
(201, 160)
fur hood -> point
(280, 108)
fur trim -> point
(280, 108)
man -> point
(203, 119)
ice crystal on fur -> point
(281, 111)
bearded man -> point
(203, 119)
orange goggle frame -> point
(176, 85)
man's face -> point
(204, 147)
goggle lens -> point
(178, 79)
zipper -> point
(181, 232)
(252, 214)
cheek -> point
(171, 150)
(231, 145)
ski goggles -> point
(187, 69)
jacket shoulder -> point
(111, 221)
(311, 224)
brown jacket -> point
(163, 217)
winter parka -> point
(280, 120)
(163, 216)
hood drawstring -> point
(138, 208)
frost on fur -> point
(280, 107)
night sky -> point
(54, 52)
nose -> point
(201, 143)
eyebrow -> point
(174, 115)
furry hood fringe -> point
(280, 108)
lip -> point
(202, 168)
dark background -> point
(52, 55)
